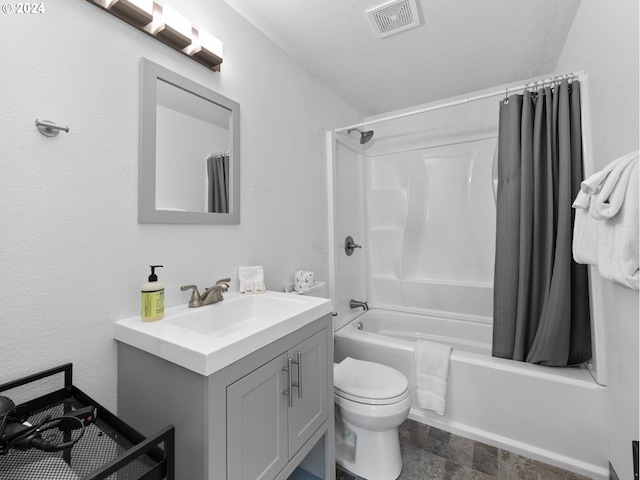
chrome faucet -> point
(357, 304)
(211, 295)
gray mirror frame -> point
(150, 72)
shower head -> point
(364, 136)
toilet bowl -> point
(371, 400)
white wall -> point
(603, 41)
(72, 254)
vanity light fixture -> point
(169, 26)
(207, 49)
(173, 28)
(136, 12)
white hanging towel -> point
(606, 203)
(604, 187)
(593, 184)
(432, 370)
(606, 225)
(618, 239)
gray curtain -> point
(541, 300)
(218, 175)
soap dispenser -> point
(152, 293)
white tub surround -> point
(555, 415)
(411, 195)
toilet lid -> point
(368, 382)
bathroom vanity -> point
(246, 382)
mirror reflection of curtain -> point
(541, 297)
(218, 174)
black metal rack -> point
(108, 449)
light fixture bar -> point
(173, 28)
(207, 49)
(136, 12)
(169, 26)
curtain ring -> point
(506, 98)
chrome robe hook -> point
(50, 129)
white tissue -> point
(251, 279)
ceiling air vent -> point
(393, 17)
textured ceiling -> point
(462, 46)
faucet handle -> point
(195, 294)
(225, 282)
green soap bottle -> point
(152, 293)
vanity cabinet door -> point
(309, 409)
(257, 423)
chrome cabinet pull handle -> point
(289, 382)
(299, 382)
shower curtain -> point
(541, 299)
(218, 175)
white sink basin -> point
(207, 339)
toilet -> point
(371, 401)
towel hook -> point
(50, 129)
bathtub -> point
(554, 415)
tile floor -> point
(429, 453)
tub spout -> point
(357, 304)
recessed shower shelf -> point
(386, 190)
(385, 229)
(384, 277)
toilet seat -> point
(368, 382)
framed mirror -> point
(189, 165)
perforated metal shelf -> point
(108, 449)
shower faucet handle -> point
(350, 245)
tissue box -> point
(302, 280)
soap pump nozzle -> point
(153, 277)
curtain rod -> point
(504, 91)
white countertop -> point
(209, 338)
